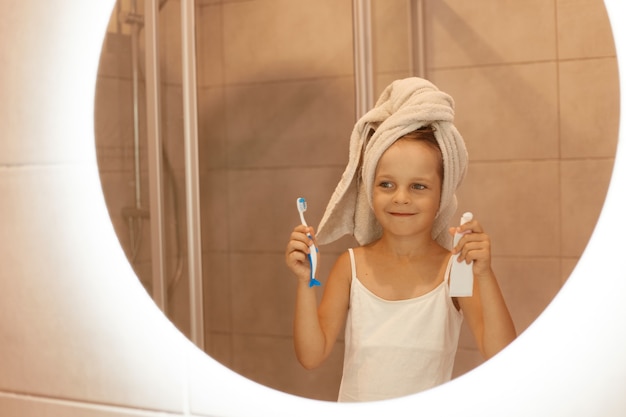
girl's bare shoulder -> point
(342, 269)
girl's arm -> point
(316, 328)
(486, 312)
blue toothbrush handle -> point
(312, 256)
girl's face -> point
(407, 188)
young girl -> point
(391, 293)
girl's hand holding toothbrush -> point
(312, 252)
(298, 250)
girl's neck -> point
(406, 248)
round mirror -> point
(276, 104)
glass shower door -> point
(174, 134)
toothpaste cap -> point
(466, 217)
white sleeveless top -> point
(397, 348)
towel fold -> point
(404, 106)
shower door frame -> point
(155, 163)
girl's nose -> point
(400, 197)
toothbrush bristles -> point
(301, 202)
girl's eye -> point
(385, 184)
(419, 187)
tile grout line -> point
(85, 404)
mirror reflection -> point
(535, 87)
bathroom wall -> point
(80, 337)
(276, 106)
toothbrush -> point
(312, 255)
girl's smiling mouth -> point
(399, 214)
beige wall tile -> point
(220, 347)
(528, 285)
(212, 2)
(263, 294)
(215, 210)
(589, 101)
(583, 29)
(217, 292)
(27, 406)
(462, 33)
(210, 45)
(505, 112)
(212, 140)
(170, 41)
(282, 40)
(143, 270)
(290, 124)
(272, 362)
(115, 58)
(263, 215)
(466, 360)
(210, 396)
(382, 80)
(114, 126)
(391, 36)
(466, 338)
(77, 313)
(583, 186)
(35, 68)
(567, 267)
(518, 205)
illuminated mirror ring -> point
(570, 361)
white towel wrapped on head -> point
(404, 106)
